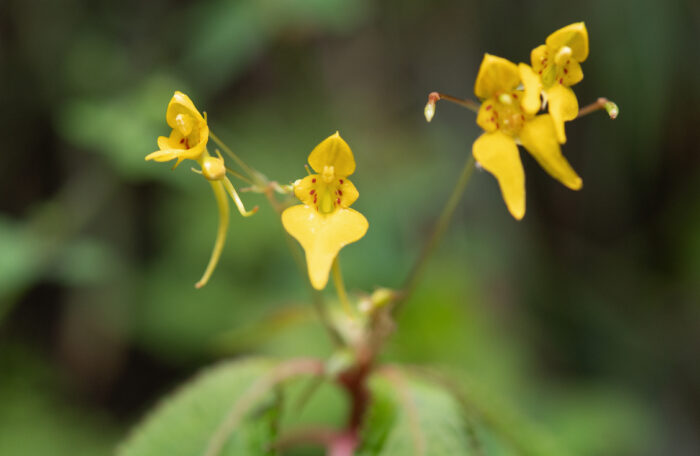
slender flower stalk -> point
(340, 287)
(238, 175)
(248, 170)
(439, 229)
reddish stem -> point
(467, 103)
(600, 103)
(354, 381)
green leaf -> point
(412, 417)
(232, 403)
(503, 428)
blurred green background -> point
(585, 315)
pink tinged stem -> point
(472, 105)
(222, 204)
(343, 445)
(601, 103)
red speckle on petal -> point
(493, 119)
(315, 199)
(488, 107)
(515, 95)
(340, 192)
(313, 181)
(312, 192)
(561, 80)
(182, 140)
(566, 71)
(567, 62)
(539, 72)
(338, 200)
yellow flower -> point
(507, 115)
(324, 223)
(188, 139)
(557, 63)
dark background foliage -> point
(586, 314)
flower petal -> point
(340, 192)
(303, 189)
(164, 155)
(181, 104)
(496, 74)
(498, 154)
(176, 149)
(532, 84)
(322, 236)
(485, 117)
(571, 73)
(575, 36)
(563, 106)
(539, 138)
(333, 151)
(347, 192)
(539, 58)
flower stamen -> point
(328, 174)
(563, 55)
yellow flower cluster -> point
(511, 97)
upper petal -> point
(539, 138)
(498, 154)
(575, 36)
(496, 74)
(533, 87)
(563, 106)
(322, 236)
(181, 104)
(333, 151)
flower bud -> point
(213, 168)
(612, 109)
(429, 110)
